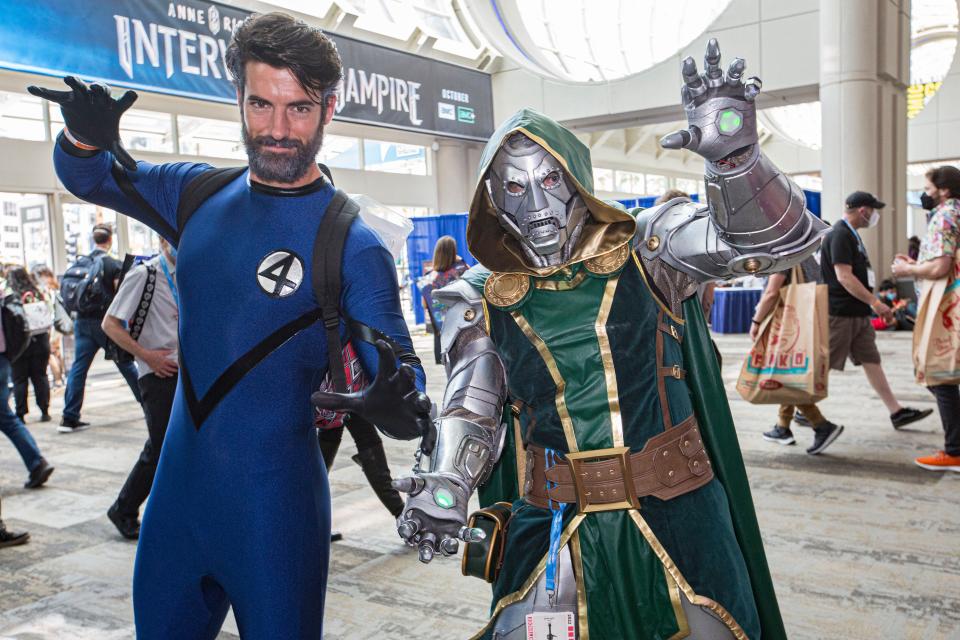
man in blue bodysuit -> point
(240, 509)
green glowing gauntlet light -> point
(729, 121)
(443, 498)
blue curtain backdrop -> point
(428, 229)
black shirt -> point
(809, 269)
(111, 271)
(843, 246)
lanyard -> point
(556, 528)
(856, 235)
(170, 280)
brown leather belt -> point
(671, 464)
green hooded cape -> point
(610, 228)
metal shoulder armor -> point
(755, 222)
(469, 429)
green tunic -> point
(580, 349)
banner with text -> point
(179, 48)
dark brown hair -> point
(102, 233)
(946, 177)
(444, 254)
(281, 41)
(19, 279)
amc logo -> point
(770, 385)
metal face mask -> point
(536, 200)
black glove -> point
(92, 116)
(392, 401)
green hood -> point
(607, 229)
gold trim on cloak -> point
(606, 356)
(685, 587)
(583, 625)
(643, 274)
(558, 380)
(531, 580)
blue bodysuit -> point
(240, 508)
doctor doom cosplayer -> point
(584, 401)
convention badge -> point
(551, 625)
(871, 278)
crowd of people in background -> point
(134, 321)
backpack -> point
(326, 260)
(83, 287)
(16, 331)
(327, 256)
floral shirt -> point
(943, 231)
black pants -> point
(370, 456)
(157, 394)
(948, 402)
(32, 367)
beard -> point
(280, 167)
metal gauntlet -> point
(756, 222)
(469, 430)
(465, 450)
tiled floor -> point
(862, 544)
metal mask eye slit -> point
(514, 188)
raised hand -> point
(435, 517)
(720, 108)
(392, 401)
(92, 116)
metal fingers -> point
(735, 72)
(693, 84)
(682, 139)
(711, 64)
(752, 88)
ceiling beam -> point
(599, 138)
(635, 137)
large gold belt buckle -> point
(585, 498)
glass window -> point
(395, 157)
(688, 186)
(340, 152)
(25, 234)
(656, 184)
(600, 41)
(139, 130)
(209, 137)
(602, 179)
(141, 239)
(21, 116)
(629, 182)
(78, 221)
(147, 131)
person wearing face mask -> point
(142, 320)
(934, 261)
(850, 280)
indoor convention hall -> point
(480, 320)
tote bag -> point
(936, 335)
(789, 362)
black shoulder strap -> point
(327, 257)
(143, 307)
(200, 188)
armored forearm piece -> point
(465, 449)
(469, 430)
(755, 222)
